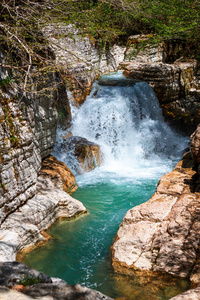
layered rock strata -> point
(36, 285)
(163, 233)
(177, 85)
(80, 58)
(23, 228)
(27, 133)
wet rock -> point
(163, 78)
(88, 154)
(55, 174)
(162, 234)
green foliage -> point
(29, 280)
(4, 82)
(106, 21)
(3, 186)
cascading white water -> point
(125, 119)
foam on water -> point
(138, 147)
(127, 122)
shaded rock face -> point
(36, 285)
(88, 154)
(195, 144)
(177, 85)
(163, 233)
(80, 60)
(58, 173)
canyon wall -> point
(176, 84)
(29, 201)
(81, 59)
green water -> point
(79, 250)
(138, 148)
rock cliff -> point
(162, 234)
(177, 84)
(28, 131)
(81, 59)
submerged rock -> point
(55, 174)
(163, 233)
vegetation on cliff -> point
(107, 21)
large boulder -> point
(85, 155)
(163, 233)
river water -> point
(138, 147)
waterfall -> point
(124, 118)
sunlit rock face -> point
(81, 60)
(162, 234)
(193, 294)
(56, 172)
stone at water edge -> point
(40, 286)
(195, 144)
(163, 233)
(193, 294)
(55, 174)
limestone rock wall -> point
(177, 84)
(20, 157)
(27, 134)
(162, 234)
(80, 59)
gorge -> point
(122, 116)
(136, 148)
